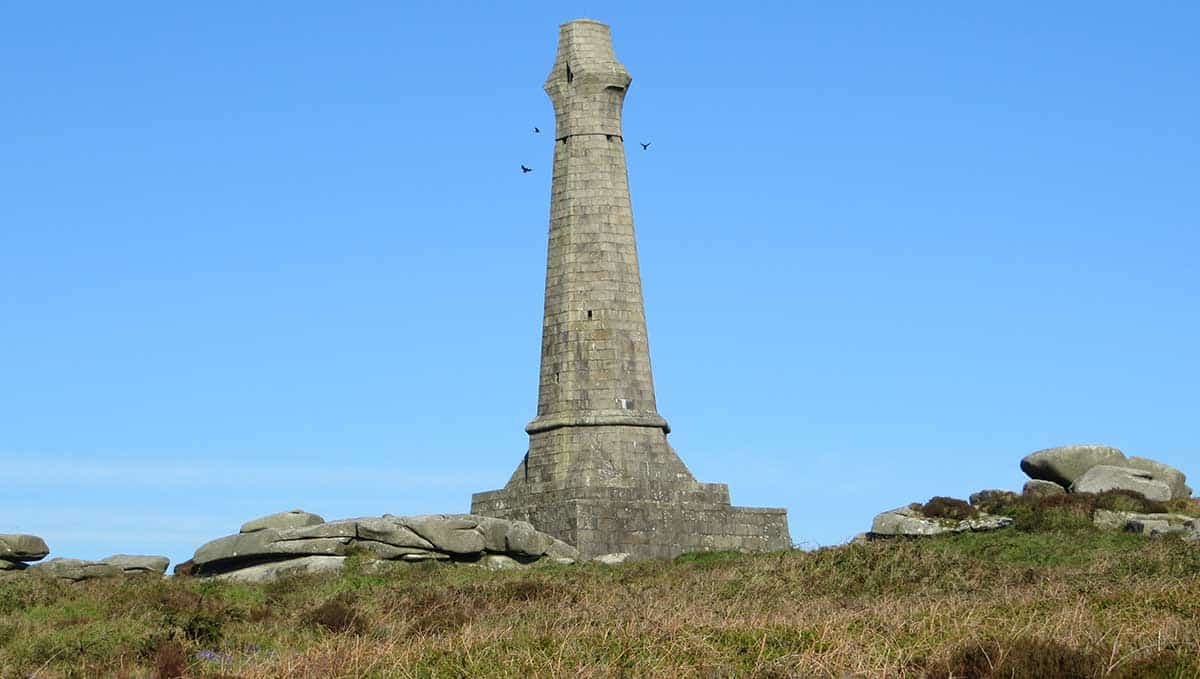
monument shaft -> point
(599, 472)
(595, 358)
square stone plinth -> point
(645, 529)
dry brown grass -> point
(1005, 605)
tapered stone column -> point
(599, 472)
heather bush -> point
(948, 508)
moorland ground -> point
(1050, 597)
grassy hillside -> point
(1070, 602)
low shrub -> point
(1071, 512)
(994, 501)
(1127, 501)
(170, 660)
(948, 508)
(337, 615)
(1021, 658)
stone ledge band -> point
(540, 424)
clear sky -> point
(260, 256)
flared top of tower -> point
(587, 83)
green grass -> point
(1015, 603)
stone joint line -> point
(590, 134)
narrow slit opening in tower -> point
(589, 314)
(570, 75)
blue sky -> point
(277, 255)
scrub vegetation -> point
(1050, 597)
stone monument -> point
(599, 472)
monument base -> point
(609, 489)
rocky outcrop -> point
(1147, 524)
(1068, 465)
(294, 543)
(75, 569)
(1107, 477)
(16, 550)
(1065, 464)
(1108, 480)
(910, 521)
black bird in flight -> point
(536, 130)
(645, 146)
(526, 169)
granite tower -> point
(599, 472)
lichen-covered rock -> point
(1037, 488)
(1107, 477)
(296, 518)
(1175, 479)
(18, 547)
(136, 563)
(1066, 464)
(74, 569)
(6, 565)
(911, 522)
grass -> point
(1018, 603)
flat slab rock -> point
(269, 572)
(139, 563)
(410, 538)
(1107, 477)
(1066, 464)
(1167, 474)
(911, 522)
(74, 570)
(296, 518)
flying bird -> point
(526, 169)
(536, 130)
(645, 146)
